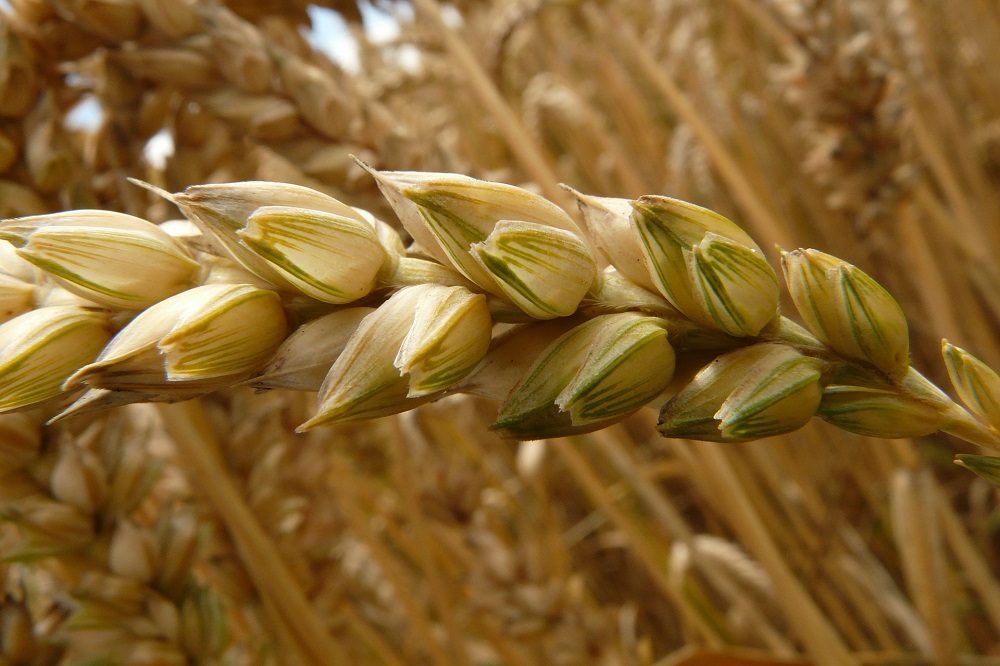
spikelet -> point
(113, 259)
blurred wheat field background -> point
(869, 130)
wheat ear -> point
(501, 294)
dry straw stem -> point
(771, 232)
(609, 442)
(406, 441)
(918, 531)
(199, 450)
(420, 624)
(519, 140)
(592, 484)
(969, 557)
(823, 642)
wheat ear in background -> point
(614, 546)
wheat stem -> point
(374, 640)
(639, 542)
(419, 623)
(969, 556)
(407, 433)
(951, 183)
(609, 442)
(628, 42)
(198, 450)
(519, 140)
(919, 538)
(824, 645)
(924, 262)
